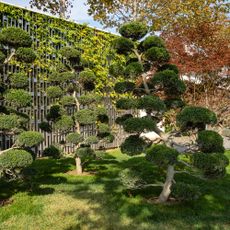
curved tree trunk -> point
(167, 185)
(79, 167)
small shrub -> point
(52, 151)
(74, 138)
(133, 69)
(126, 103)
(210, 142)
(153, 41)
(30, 138)
(116, 69)
(151, 103)
(64, 124)
(61, 77)
(123, 45)
(185, 192)
(8, 122)
(156, 54)
(54, 92)
(85, 153)
(67, 101)
(72, 54)
(124, 87)
(91, 140)
(54, 113)
(25, 55)
(45, 126)
(86, 116)
(103, 118)
(19, 80)
(89, 98)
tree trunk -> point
(79, 168)
(167, 185)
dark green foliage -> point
(123, 45)
(123, 118)
(126, 103)
(124, 87)
(67, 101)
(54, 113)
(151, 103)
(134, 69)
(169, 67)
(139, 125)
(91, 140)
(2, 57)
(64, 124)
(156, 54)
(19, 80)
(116, 69)
(29, 139)
(161, 155)
(15, 37)
(153, 41)
(103, 118)
(212, 164)
(45, 126)
(8, 122)
(52, 151)
(210, 142)
(61, 77)
(18, 98)
(100, 111)
(133, 145)
(170, 82)
(89, 98)
(103, 129)
(109, 138)
(195, 117)
(174, 103)
(54, 92)
(185, 192)
(70, 53)
(133, 30)
(87, 78)
(85, 153)
(86, 116)
(26, 55)
(74, 138)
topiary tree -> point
(153, 86)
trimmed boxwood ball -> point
(151, 103)
(72, 54)
(61, 77)
(161, 155)
(74, 138)
(169, 67)
(185, 192)
(103, 128)
(195, 117)
(134, 69)
(153, 41)
(85, 153)
(52, 151)
(123, 118)
(123, 45)
(156, 54)
(45, 126)
(213, 165)
(19, 80)
(8, 122)
(133, 30)
(126, 103)
(25, 55)
(54, 92)
(89, 98)
(86, 116)
(133, 145)
(2, 57)
(174, 103)
(68, 101)
(124, 87)
(18, 98)
(139, 125)
(116, 69)
(30, 138)
(91, 140)
(15, 159)
(15, 37)
(210, 142)
(100, 111)
(64, 124)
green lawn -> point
(56, 200)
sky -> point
(78, 14)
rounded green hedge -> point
(89, 98)
(126, 103)
(67, 101)
(8, 122)
(86, 116)
(19, 80)
(162, 155)
(124, 87)
(64, 123)
(30, 138)
(74, 138)
(54, 113)
(210, 142)
(133, 69)
(45, 126)
(156, 54)
(133, 145)
(169, 67)
(116, 69)
(25, 55)
(61, 77)
(153, 41)
(85, 153)
(15, 159)
(195, 117)
(91, 140)
(72, 54)
(123, 45)
(54, 92)
(52, 151)
(133, 30)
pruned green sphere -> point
(68, 101)
(210, 142)
(54, 113)
(124, 87)
(120, 120)
(134, 69)
(85, 153)
(19, 80)
(91, 140)
(195, 117)
(134, 30)
(89, 98)
(26, 55)
(153, 41)
(8, 122)
(61, 77)
(45, 126)
(136, 124)
(86, 116)
(123, 45)
(156, 54)
(126, 103)
(133, 145)
(161, 155)
(70, 53)
(64, 124)
(52, 151)
(100, 110)
(103, 128)
(30, 138)
(15, 37)
(116, 69)
(74, 138)
(86, 75)
(54, 92)
(169, 67)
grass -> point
(56, 200)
